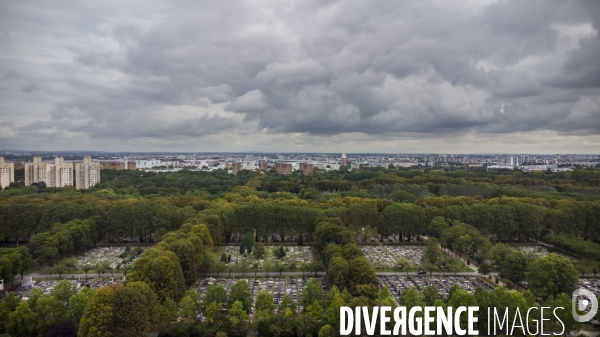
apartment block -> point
(112, 165)
(87, 173)
(283, 168)
(57, 174)
(7, 173)
(306, 168)
(237, 167)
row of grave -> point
(397, 284)
(294, 254)
(24, 292)
(277, 286)
(112, 256)
(306, 237)
(388, 256)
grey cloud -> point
(321, 68)
(31, 87)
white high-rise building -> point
(59, 174)
(87, 173)
(146, 164)
(7, 173)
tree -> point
(279, 267)
(135, 310)
(333, 311)
(49, 311)
(360, 272)
(190, 306)
(188, 259)
(326, 233)
(161, 270)
(351, 251)
(59, 269)
(565, 315)
(328, 331)
(63, 291)
(22, 321)
(286, 304)
(86, 268)
(432, 252)
(460, 298)
(514, 266)
(259, 250)
(405, 220)
(411, 298)
(430, 295)
(437, 226)
(77, 303)
(211, 310)
(244, 264)
(465, 243)
(169, 310)
(551, 275)
(240, 292)
(484, 268)
(238, 314)
(403, 264)
(312, 293)
(97, 319)
(63, 328)
(402, 196)
(216, 293)
(337, 272)
(264, 302)
(279, 252)
(314, 310)
(248, 241)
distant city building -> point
(59, 174)
(18, 165)
(344, 160)
(112, 165)
(250, 165)
(306, 168)
(283, 168)
(7, 173)
(87, 173)
(263, 166)
(237, 167)
(131, 165)
(144, 164)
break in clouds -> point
(439, 76)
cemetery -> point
(112, 256)
(277, 286)
(385, 257)
(397, 284)
(294, 257)
(537, 251)
(592, 285)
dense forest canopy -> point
(186, 214)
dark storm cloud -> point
(181, 70)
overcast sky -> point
(307, 75)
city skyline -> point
(339, 76)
